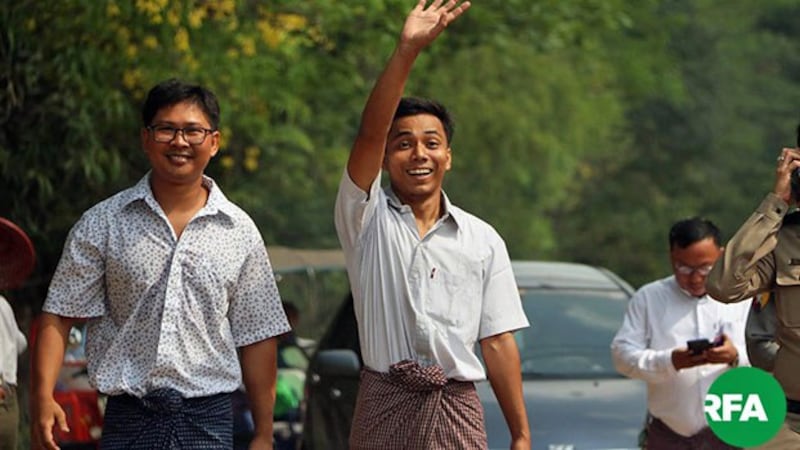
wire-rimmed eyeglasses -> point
(688, 270)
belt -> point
(793, 406)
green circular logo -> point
(745, 407)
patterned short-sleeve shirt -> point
(166, 312)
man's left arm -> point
(501, 355)
(259, 373)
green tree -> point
(710, 95)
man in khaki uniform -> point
(765, 255)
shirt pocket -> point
(205, 282)
(788, 302)
(455, 296)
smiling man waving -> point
(429, 280)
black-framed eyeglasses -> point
(166, 133)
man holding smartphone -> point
(679, 340)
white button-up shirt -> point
(168, 312)
(12, 343)
(426, 298)
(661, 317)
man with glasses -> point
(678, 340)
(174, 280)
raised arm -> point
(422, 26)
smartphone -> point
(697, 346)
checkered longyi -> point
(416, 408)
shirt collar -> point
(450, 211)
(217, 202)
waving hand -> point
(424, 24)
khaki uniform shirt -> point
(764, 254)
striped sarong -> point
(416, 408)
(164, 420)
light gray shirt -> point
(166, 312)
(426, 298)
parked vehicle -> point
(304, 275)
(574, 397)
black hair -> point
(412, 106)
(695, 229)
(174, 91)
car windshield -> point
(570, 332)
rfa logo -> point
(732, 403)
(745, 407)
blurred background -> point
(585, 128)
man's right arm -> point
(629, 349)
(422, 26)
(48, 356)
(747, 265)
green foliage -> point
(530, 128)
(584, 127)
(703, 139)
